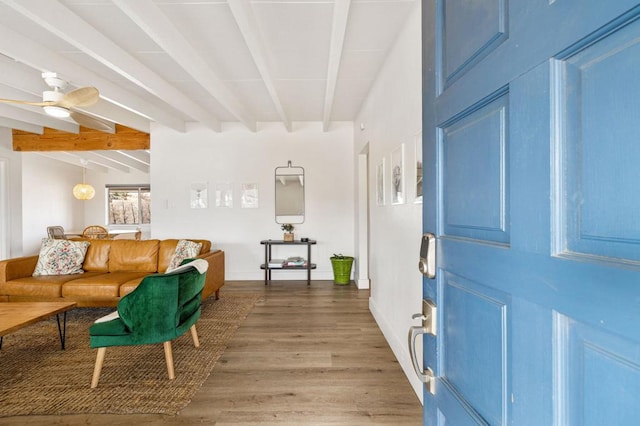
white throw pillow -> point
(60, 257)
(184, 250)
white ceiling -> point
(212, 62)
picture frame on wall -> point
(380, 183)
(418, 168)
(198, 195)
(249, 199)
(224, 195)
(397, 175)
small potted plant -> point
(341, 268)
(288, 231)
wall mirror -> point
(289, 194)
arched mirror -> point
(289, 194)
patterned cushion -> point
(184, 250)
(60, 257)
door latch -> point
(427, 263)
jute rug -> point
(38, 378)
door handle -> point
(428, 317)
(425, 376)
(427, 263)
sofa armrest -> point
(18, 267)
(215, 273)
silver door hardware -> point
(429, 324)
(428, 316)
(431, 383)
(427, 263)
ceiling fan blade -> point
(90, 122)
(82, 97)
(15, 101)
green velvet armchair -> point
(161, 308)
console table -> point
(267, 258)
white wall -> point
(12, 218)
(236, 156)
(48, 198)
(391, 115)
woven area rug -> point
(38, 378)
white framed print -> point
(397, 175)
(418, 169)
(380, 182)
(249, 198)
(198, 195)
(224, 194)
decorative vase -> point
(342, 269)
(288, 236)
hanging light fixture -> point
(54, 96)
(83, 191)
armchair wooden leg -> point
(168, 355)
(194, 335)
(98, 367)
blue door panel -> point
(473, 359)
(599, 111)
(452, 410)
(599, 373)
(474, 150)
(486, 19)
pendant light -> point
(83, 191)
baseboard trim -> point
(363, 284)
(399, 348)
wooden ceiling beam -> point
(87, 140)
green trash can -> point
(341, 268)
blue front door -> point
(532, 168)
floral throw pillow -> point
(60, 257)
(184, 250)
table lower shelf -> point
(267, 271)
(287, 267)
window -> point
(129, 204)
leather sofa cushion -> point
(168, 247)
(129, 286)
(133, 256)
(97, 257)
(103, 285)
(46, 286)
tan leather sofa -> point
(112, 268)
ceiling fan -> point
(58, 104)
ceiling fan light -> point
(83, 191)
(56, 111)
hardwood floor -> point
(308, 355)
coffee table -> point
(15, 315)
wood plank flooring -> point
(306, 355)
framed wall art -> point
(418, 169)
(224, 195)
(380, 183)
(198, 195)
(249, 198)
(397, 176)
